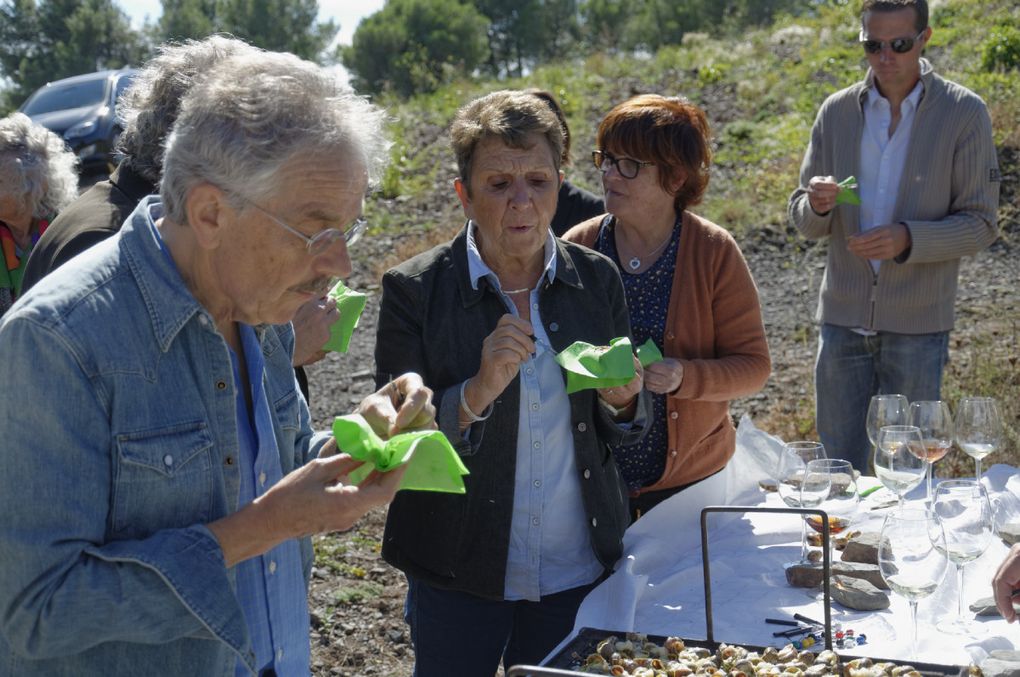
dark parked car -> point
(83, 110)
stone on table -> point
(859, 594)
(862, 548)
(994, 667)
(1010, 533)
(986, 607)
(810, 575)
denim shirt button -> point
(221, 385)
(229, 460)
(168, 460)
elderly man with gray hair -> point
(154, 518)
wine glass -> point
(899, 459)
(978, 428)
(936, 424)
(911, 559)
(841, 502)
(966, 515)
(886, 410)
(791, 474)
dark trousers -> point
(456, 634)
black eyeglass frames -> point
(628, 167)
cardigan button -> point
(587, 474)
(673, 415)
(670, 335)
(672, 452)
(582, 427)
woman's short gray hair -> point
(35, 164)
(508, 115)
(254, 112)
(149, 107)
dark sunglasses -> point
(898, 45)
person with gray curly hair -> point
(37, 180)
(149, 108)
(157, 367)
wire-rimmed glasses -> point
(322, 241)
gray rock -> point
(856, 593)
(993, 667)
(810, 575)
(986, 607)
(862, 548)
(1008, 655)
(1010, 533)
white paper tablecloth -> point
(658, 585)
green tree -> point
(278, 25)
(52, 39)
(186, 19)
(414, 46)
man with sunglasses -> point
(927, 176)
(157, 502)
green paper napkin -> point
(648, 353)
(589, 366)
(432, 464)
(846, 194)
(350, 303)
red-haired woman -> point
(687, 286)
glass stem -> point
(977, 471)
(930, 464)
(803, 541)
(913, 629)
(959, 606)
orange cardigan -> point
(714, 328)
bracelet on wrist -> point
(472, 416)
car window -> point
(65, 97)
(122, 83)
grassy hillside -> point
(761, 91)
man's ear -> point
(206, 207)
(465, 197)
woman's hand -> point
(401, 405)
(503, 351)
(623, 397)
(664, 376)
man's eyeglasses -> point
(627, 167)
(898, 45)
(322, 241)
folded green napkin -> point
(648, 352)
(432, 464)
(350, 303)
(589, 366)
(846, 194)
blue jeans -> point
(851, 368)
(457, 634)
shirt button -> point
(229, 460)
(531, 371)
(279, 654)
(534, 406)
(535, 521)
(553, 326)
(537, 445)
(587, 474)
(221, 385)
(168, 460)
(538, 483)
(594, 522)
(582, 426)
(262, 478)
(203, 320)
(534, 306)
(272, 566)
(673, 415)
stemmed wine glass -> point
(978, 428)
(886, 410)
(966, 515)
(936, 424)
(842, 500)
(899, 459)
(911, 559)
(796, 488)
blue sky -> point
(345, 12)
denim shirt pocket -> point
(163, 479)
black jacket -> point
(432, 322)
(574, 205)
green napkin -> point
(846, 194)
(350, 303)
(648, 352)
(432, 464)
(589, 366)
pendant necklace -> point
(635, 261)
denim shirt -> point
(119, 445)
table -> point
(657, 587)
